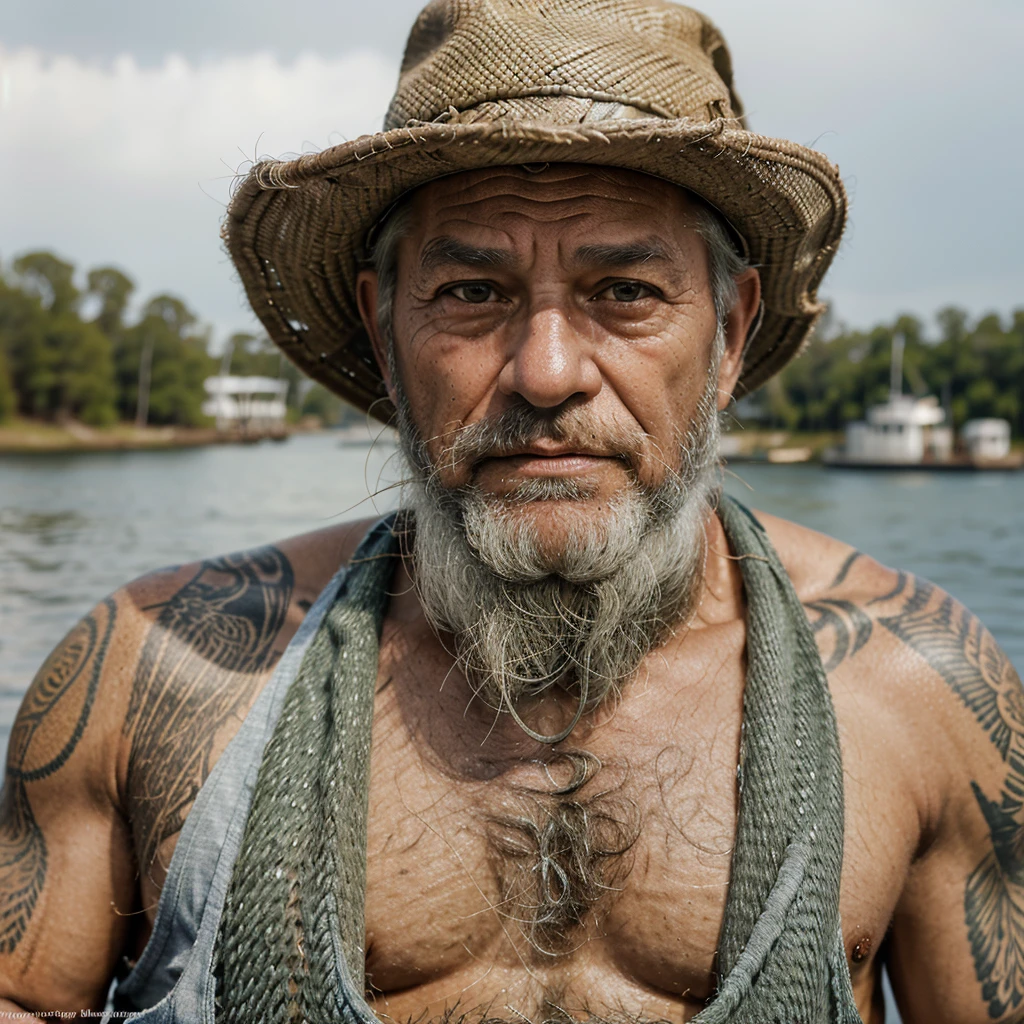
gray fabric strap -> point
(285, 950)
(781, 954)
(290, 947)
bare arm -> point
(66, 868)
(113, 741)
(956, 945)
(958, 933)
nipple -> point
(861, 949)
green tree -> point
(167, 340)
(49, 277)
(8, 398)
(977, 369)
(59, 366)
(113, 290)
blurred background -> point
(130, 365)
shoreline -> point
(30, 437)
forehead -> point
(560, 194)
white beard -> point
(583, 619)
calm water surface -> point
(74, 527)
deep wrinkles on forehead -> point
(493, 201)
(546, 194)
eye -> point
(474, 291)
(626, 291)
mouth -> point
(547, 460)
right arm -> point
(67, 873)
(115, 737)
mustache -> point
(523, 425)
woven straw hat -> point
(644, 85)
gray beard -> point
(524, 620)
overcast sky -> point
(123, 121)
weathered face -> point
(573, 291)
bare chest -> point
(591, 878)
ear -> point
(366, 299)
(737, 327)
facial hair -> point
(523, 618)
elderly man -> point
(570, 737)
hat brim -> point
(296, 230)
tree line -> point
(975, 368)
(70, 352)
(74, 353)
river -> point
(74, 527)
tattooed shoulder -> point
(963, 653)
(210, 644)
(53, 719)
(841, 615)
(956, 647)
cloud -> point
(133, 166)
(131, 163)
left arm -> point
(956, 951)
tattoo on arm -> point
(62, 695)
(845, 568)
(962, 652)
(848, 625)
(844, 627)
(225, 619)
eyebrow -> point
(446, 251)
(625, 255)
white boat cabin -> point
(987, 439)
(904, 429)
(247, 403)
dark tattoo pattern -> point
(849, 626)
(225, 619)
(962, 651)
(68, 682)
(845, 623)
(959, 649)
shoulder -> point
(115, 736)
(262, 587)
(916, 660)
(817, 564)
(930, 714)
(296, 568)
(160, 672)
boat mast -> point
(896, 366)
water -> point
(73, 528)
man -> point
(604, 779)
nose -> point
(550, 363)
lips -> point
(553, 451)
(541, 462)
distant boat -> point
(365, 435)
(908, 432)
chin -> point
(558, 524)
(550, 534)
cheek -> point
(661, 381)
(447, 380)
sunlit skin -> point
(569, 286)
